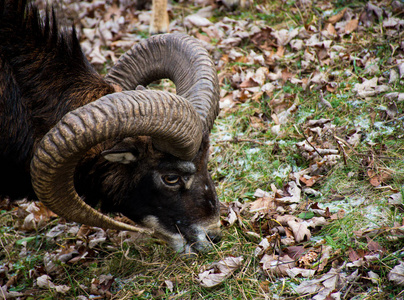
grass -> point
(248, 155)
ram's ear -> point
(120, 157)
(123, 152)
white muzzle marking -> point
(177, 240)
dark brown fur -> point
(43, 75)
(33, 96)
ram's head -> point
(152, 166)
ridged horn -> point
(169, 119)
(179, 58)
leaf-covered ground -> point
(307, 155)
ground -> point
(307, 155)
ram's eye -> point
(171, 179)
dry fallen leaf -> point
(334, 19)
(196, 20)
(308, 258)
(275, 265)
(376, 179)
(284, 36)
(233, 212)
(354, 138)
(374, 277)
(338, 216)
(371, 14)
(401, 69)
(45, 282)
(4, 294)
(396, 199)
(331, 29)
(326, 252)
(219, 271)
(393, 22)
(98, 237)
(351, 26)
(397, 274)
(101, 285)
(96, 57)
(335, 279)
(294, 193)
(367, 88)
(262, 247)
(38, 215)
(283, 117)
(309, 180)
(294, 272)
(316, 222)
(300, 231)
(263, 203)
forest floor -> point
(307, 155)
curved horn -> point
(179, 58)
(169, 119)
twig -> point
(296, 128)
(342, 150)
(346, 143)
(237, 140)
(350, 287)
(323, 101)
(394, 119)
(305, 137)
(361, 154)
(7, 252)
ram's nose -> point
(215, 237)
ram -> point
(77, 141)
